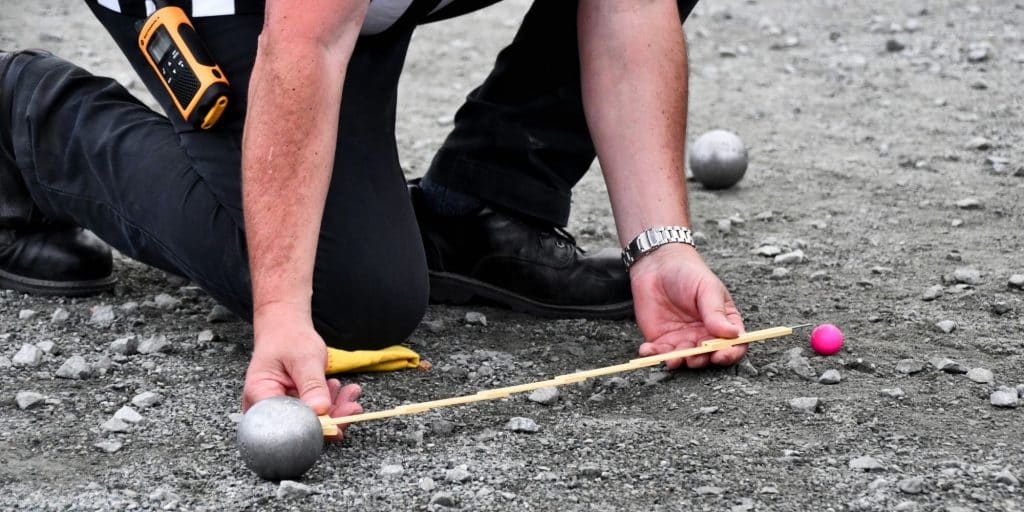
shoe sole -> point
(34, 286)
(454, 289)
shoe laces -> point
(563, 238)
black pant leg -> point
(521, 140)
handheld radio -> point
(173, 49)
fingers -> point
(308, 376)
(344, 405)
(714, 311)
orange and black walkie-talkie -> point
(195, 82)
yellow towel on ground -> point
(395, 357)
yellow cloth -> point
(395, 357)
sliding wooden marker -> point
(330, 425)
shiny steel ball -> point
(718, 159)
(280, 438)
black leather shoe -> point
(521, 265)
(36, 255)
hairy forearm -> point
(634, 79)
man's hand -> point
(680, 302)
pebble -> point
(780, 273)
(978, 144)
(476, 318)
(26, 314)
(127, 345)
(866, 463)
(946, 326)
(805, 404)
(458, 474)
(818, 275)
(293, 489)
(545, 396)
(48, 347)
(115, 425)
(967, 275)
(28, 355)
(74, 368)
(153, 344)
(905, 506)
(913, 485)
(441, 427)
(1020, 390)
(769, 251)
(390, 470)
(830, 376)
(59, 316)
(725, 226)
(948, 365)
(165, 301)
(978, 53)
(932, 293)
(426, 484)
(1004, 398)
(102, 316)
(801, 366)
(653, 378)
(206, 336)
(909, 366)
(1016, 282)
(709, 490)
(1005, 477)
(969, 203)
(590, 470)
(981, 375)
(443, 499)
(1000, 308)
(705, 411)
(790, 258)
(26, 399)
(128, 415)
(5, 362)
(746, 369)
(108, 446)
(520, 424)
(220, 314)
(146, 399)
(892, 392)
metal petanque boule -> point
(718, 159)
(280, 438)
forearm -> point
(634, 79)
(287, 157)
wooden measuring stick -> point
(330, 424)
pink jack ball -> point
(826, 339)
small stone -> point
(905, 506)
(913, 485)
(1004, 398)
(829, 377)
(48, 347)
(818, 275)
(780, 273)
(165, 301)
(458, 474)
(969, 203)
(769, 251)
(5, 362)
(126, 346)
(967, 275)
(978, 53)
(725, 226)
(978, 144)
(520, 424)
(746, 368)
(26, 314)
(128, 415)
(59, 316)
(102, 316)
(74, 368)
(590, 470)
(894, 46)
(102, 365)
(434, 326)
(956, 223)
(28, 355)
(653, 378)
(476, 318)
(220, 314)
(981, 376)
(235, 417)
(617, 382)
(1005, 477)
(946, 326)
(948, 366)
(292, 489)
(801, 366)
(115, 425)
(909, 366)
(441, 427)
(26, 399)
(426, 484)
(390, 470)
(206, 336)
(707, 411)
(443, 499)
(805, 404)
(790, 258)
(153, 344)
(932, 293)
(545, 396)
(706, 490)
(108, 446)
(1016, 282)
(866, 463)
(146, 399)
(892, 393)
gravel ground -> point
(884, 141)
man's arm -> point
(287, 156)
(634, 78)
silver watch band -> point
(650, 239)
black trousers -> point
(170, 196)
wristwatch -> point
(650, 239)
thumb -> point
(311, 383)
(713, 314)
